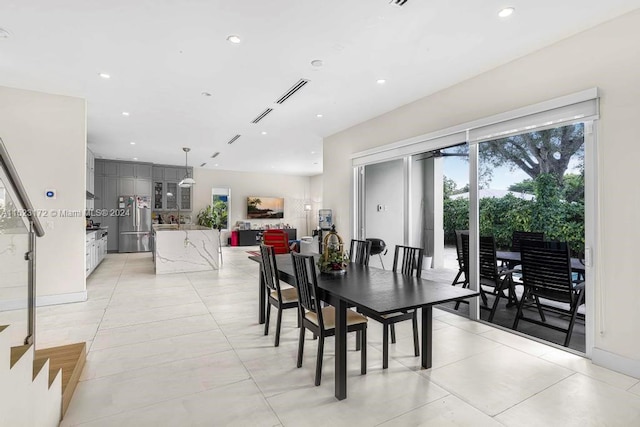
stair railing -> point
(25, 210)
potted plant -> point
(214, 216)
(333, 259)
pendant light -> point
(186, 181)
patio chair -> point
(546, 274)
(462, 265)
(493, 281)
(281, 299)
(319, 320)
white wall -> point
(294, 189)
(607, 56)
(46, 138)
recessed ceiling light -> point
(205, 94)
(313, 152)
(381, 81)
(233, 39)
(4, 34)
(125, 113)
(104, 76)
(135, 158)
(215, 164)
(317, 63)
(507, 11)
(263, 132)
(132, 143)
(319, 116)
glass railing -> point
(18, 230)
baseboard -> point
(41, 301)
(615, 362)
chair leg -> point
(540, 309)
(278, 325)
(385, 346)
(393, 333)
(455, 281)
(266, 319)
(319, 360)
(363, 352)
(494, 307)
(416, 344)
(518, 314)
(358, 339)
(574, 314)
(301, 346)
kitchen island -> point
(184, 249)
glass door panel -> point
(171, 195)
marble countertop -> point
(174, 227)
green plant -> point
(333, 260)
(206, 217)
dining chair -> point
(517, 238)
(359, 251)
(279, 239)
(547, 278)
(406, 260)
(462, 265)
(321, 320)
(281, 299)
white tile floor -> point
(186, 349)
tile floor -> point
(186, 349)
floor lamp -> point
(307, 209)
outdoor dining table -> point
(577, 265)
(377, 290)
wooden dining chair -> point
(281, 299)
(547, 278)
(406, 260)
(359, 251)
(321, 320)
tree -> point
(541, 152)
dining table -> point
(374, 289)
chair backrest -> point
(410, 260)
(487, 255)
(270, 269)
(359, 251)
(279, 239)
(459, 252)
(304, 272)
(518, 236)
(546, 270)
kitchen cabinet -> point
(126, 170)
(127, 186)
(166, 192)
(142, 187)
(173, 174)
(110, 169)
(90, 179)
(96, 250)
(143, 171)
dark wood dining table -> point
(377, 290)
(577, 265)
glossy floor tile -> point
(187, 350)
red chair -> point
(279, 239)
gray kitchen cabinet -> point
(143, 171)
(110, 168)
(98, 168)
(98, 202)
(110, 203)
(185, 198)
(171, 195)
(158, 173)
(126, 170)
(142, 187)
(126, 186)
(172, 174)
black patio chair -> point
(462, 265)
(546, 275)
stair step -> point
(17, 352)
(68, 358)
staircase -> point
(36, 386)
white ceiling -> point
(162, 54)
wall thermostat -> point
(50, 194)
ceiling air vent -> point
(399, 3)
(216, 154)
(296, 87)
(234, 139)
(262, 115)
(203, 165)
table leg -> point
(262, 299)
(341, 351)
(427, 336)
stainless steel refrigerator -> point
(134, 223)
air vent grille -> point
(399, 3)
(203, 164)
(216, 154)
(234, 139)
(262, 115)
(296, 87)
